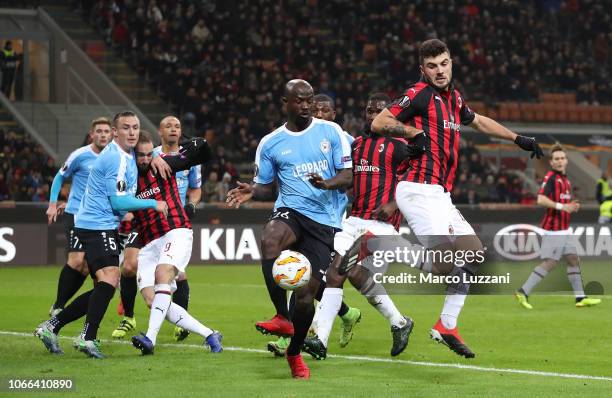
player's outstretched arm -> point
(545, 201)
(194, 152)
(343, 179)
(385, 123)
(245, 192)
(491, 127)
(125, 203)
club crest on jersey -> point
(121, 186)
(381, 148)
(459, 102)
(325, 146)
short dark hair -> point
(556, 148)
(122, 114)
(379, 96)
(432, 48)
(323, 98)
(145, 137)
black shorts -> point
(131, 240)
(314, 240)
(73, 244)
(101, 248)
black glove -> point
(417, 146)
(190, 209)
(529, 144)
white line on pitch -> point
(366, 359)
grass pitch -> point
(553, 350)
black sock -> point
(343, 309)
(69, 282)
(291, 305)
(128, 294)
(302, 318)
(72, 312)
(181, 296)
(277, 294)
(98, 303)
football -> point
(291, 270)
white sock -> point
(575, 279)
(181, 318)
(159, 308)
(536, 276)
(387, 308)
(328, 309)
(453, 303)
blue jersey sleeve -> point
(265, 170)
(71, 164)
(341, 149)
(195, 177)
(115, 167)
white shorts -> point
(353, 227)
(556, 244)
(173, 248)
(430, 213)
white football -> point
(291, 270)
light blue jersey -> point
(341, 196)
(191, 178)
(77, 166)
(114, 173)
(289, 157)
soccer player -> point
(430, 114)
(109, 193)
(324, 108)
(189, 183)
(77, 167)
(555, 195)
(167, 243)
(376, 160)
(305, 218)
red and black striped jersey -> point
(440, 115)
(556, 187)
(125, 227)
(150, 223)
(376, 161)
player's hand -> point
(190, 210)
(161, 167)
(571, 207)
(51, 213)
(529, 144)
(316, 180)
(162, 207)
(417, 146)
(385, 211)
(237, 196)
(129, 216)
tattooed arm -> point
(386, 124)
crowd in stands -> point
(26, 171)
(212, 59)
(478, 181)
(221, 65)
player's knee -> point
(76, 261)
(130, 266)
(271, 247)
(165, 273)
(109, 275)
